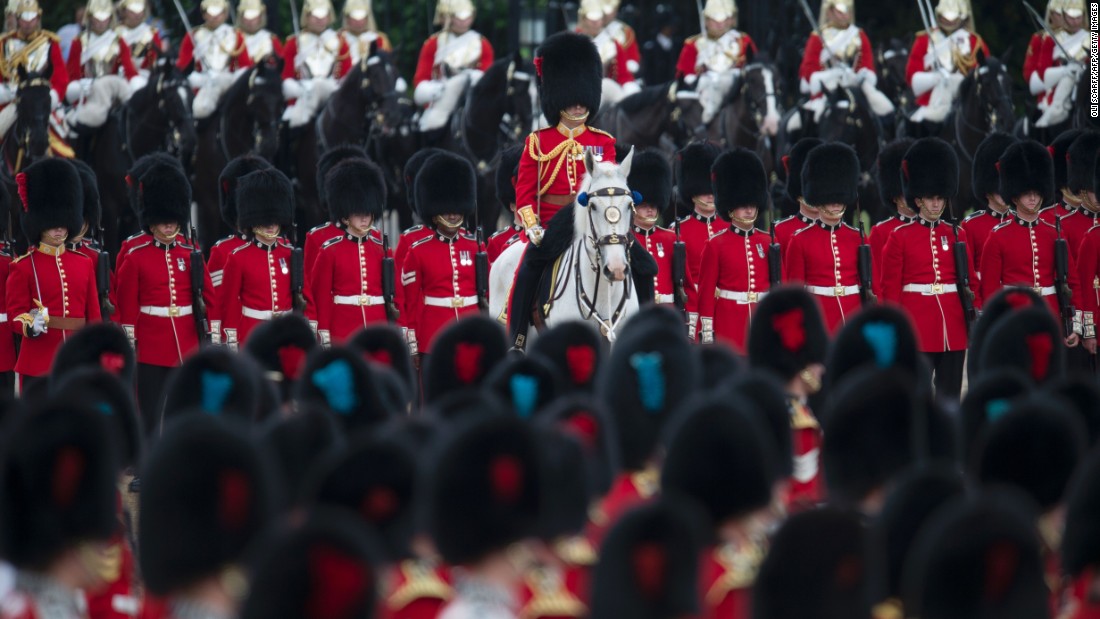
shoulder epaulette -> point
(801, 230)
(850, 227)
(1001, 225)
(786, 219)
(692, 39)
(468, 236)
(976, 214)
(601, 132)
(1047, 223)
(284, 243)
(334, 240)
(513, 240)
(137, 247)
(719, 233)
(29, 252)
(422, 241)
(134, 236)
(375, 240)
(663, 229)
(416, 228)
(319, 227)
(500, 232)
(245, 246)
(227, 239)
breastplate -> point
(104, 53)
(462, 52)
(722, 54)
(213, 48)
(259, 44)
(841, 45)
(359, 44)
(317, 53)
(950, 49)
(32, 55)
(139, 39)
(1076, 44)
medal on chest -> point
(597, 152)
(180, 264)
(760, 250)
(464, 258)
(660, 250)
(282, 266)
(943, 242)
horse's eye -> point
(613, 215)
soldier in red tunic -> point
(347, 278)
(1021, 250)
(256, 284)
(984, 184)
(1080, 163)
(1070, 201)
(735, 274)
(155, 295)
(50, 291)
(505, 178)
(888, 175)
(133, 178)
(918, 265)
(695, 190)
(793, 162)
(824, 256)
(7, 338)
(414, 233)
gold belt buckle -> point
(173, 311)
(1038, 290)
(751, 297)
(457, 302)
(363, 300)
(937, 288)
(838, 291)
(276, 313)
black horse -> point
(644, 118)
(246, 121)
(890, 64)
(29, 138)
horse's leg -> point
(209, 162)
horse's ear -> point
(624, 167)
(750, 54)
(980, 57)
(22, 71)
(589, 162)
(373, 48)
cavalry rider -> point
(214, 53)
(937, 68)
(618, 80)
(711, 63)
(361, 31)
(313, 61)
(142, 38)
(1036, 47)
(451, 61)
(1061, 63)
(101, 70)
(260, 41)
(36, 51)
(845, 59)
(624, 35)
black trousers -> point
(151, 381)
(948, 372)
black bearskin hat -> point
(206, 495)
(339, 380)
(52, 197)
(984, 176)
(93, 210)
(1007, 300)
(1081, 162)
(769, 399)
(888, 171)
(227, 184)
(412, 168)
(446, 184)
(506, 172)
(280, 346)
(739, 180)
(383, 344)
(1027, 166)
(651, 176)
(165, 195)
(525, 384)
(568, 498)
(586, 419)
(719, 363)
(1029, 340)
(216, 382)
(576, 349)
(570, 73)
(136, 171)
(879, 336)
(989, 397)
(328, 161)
(1058, 149)
(58, 487)
(830, 175)
(105, 393)
(787, 333)
(930, 168)
(101, 345)
(355, 187)
(1081, 542)
(794, 161)
(463, 355)
(1081, 393)
(296, 443)
(693, 165)
(264, 197)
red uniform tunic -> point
(695, 231)
(1035, 59)
(1084, 606)
(785, 229)
(807, 486)
(1074, 227)
(1022, 253)
(552, 164)
(123, 63)
(688, 61)
(238, 56)
(1050, 213)
(7, 340)
(219, 254)
(61, 280)
(440, 284)
(880, 233)
(659, 243)
(59, 78)
(977, 227)
(116, 600)
(921, 254)
(734, 277)
(617, 69)
(418, 589)
(408, 238)
(339, 69)
(559, 590)
(347, 285)
(726, 575)
(501, 239)
(825, 259)
(628, 490)
(862, 58)
(315, 238)
(425, 63)
(1088, 271)
(154, 298)
(255, 287)
(916, 60)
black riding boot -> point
(643, 268)
(523, 298)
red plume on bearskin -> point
(68, 472)
(291, 360)
(338, 582)
(650, 569)
(507, 479)
(112, 362)
(379, 504)
(21, 186)
(467, 362)
(790, 329)
(1039, 346)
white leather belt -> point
(930, 289)
(664, 298)
(455, 302)
(166, 312)
(256, 314)
(4, 317)
(1044, 291)
(361, 300)
(744, 298)
(833, 291)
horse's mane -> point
(644, 98)
(968, 84)
(495, 78)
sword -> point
(702, 19)
(183, 16)
(926, 19)
(293, 18)
(1046, 28)
(817, 29)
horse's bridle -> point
(592, 245)
(989, 110)
(373, 118)
(511, 125)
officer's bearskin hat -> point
(769, 400)
(916, 495)
(930, 168)
(165, 195)
(1036, 446)
(651, 176)
(485, 488)
(101, 345)
(294, 445)
(264, 197)
(463, 355)
(720, 455)
(977, 557)
(1027, 166)
(719, 364)
(106, 393)
(820, 553)
(649, 563)
(985, 179)
(649, 374)
(1081, 394)
(830, 175)
(50, 191)
(328, 160)
(355, 187)
(1081, 162)
(586, 419)
(327, 567)
(1081, 541)
(206, 494)
(888, 171)
(280, 347)
(988, 398)
(525, 384)
(384, 345)
(89, 186)
(739, 180)
(1006, 301)
(376, 479)
(794, 161)
(568, 497)
(58, 487)
(1058, 149)
(787, 333)
(570, 73)
(339, 380)
(878, 336)
(227, 184)
(693, 165)
(140, 167)
(446, 184)
(1029, 340)
(506, 172)
(412, 168)
(216, 382)
(576, 349)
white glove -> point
(867, 76)
(55, 99)
(292, 89)
(138, 82)
(38, 325)
(74, 91)
(1054, 75)
(924, 81)
(534, 233)
(1035, 84)
(6, 93)
(196, 80)
(690, 79)
(633, 66)
(630, 88)
(400, 85)
(428, 92)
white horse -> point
(591, 280)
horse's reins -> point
(990, 115)
(592, 245)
